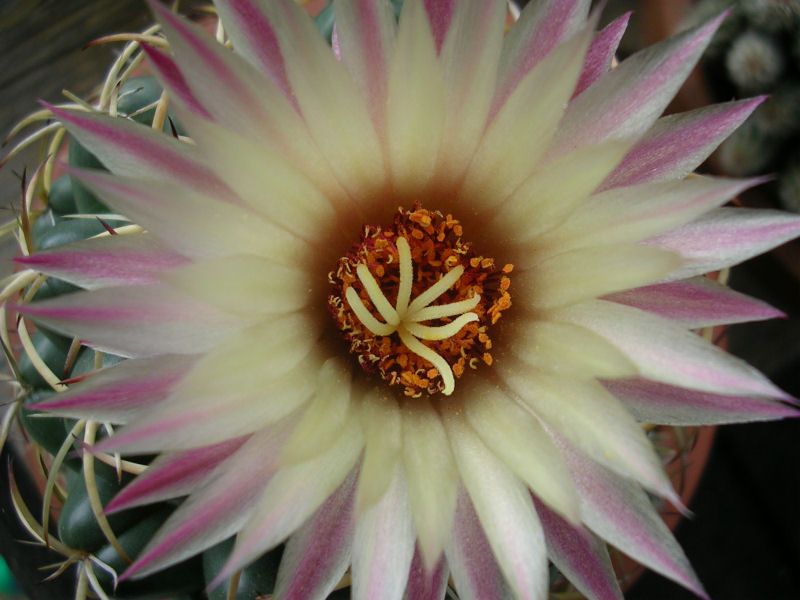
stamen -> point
(406, 275)
(436, 290)
(437, 361)
(441, 332)
(377, 296)
(419, 261)
(366, 318)
(439, 311)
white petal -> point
(384, 545)
(664, 351)
(517, 439)
(567, 349)
(416, 108)
(432, 478)
(594, 421)
(505, 510)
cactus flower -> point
(402, 302)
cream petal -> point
(317, 555)
(627, 100)
(654, 402)
(194, 223)
(520, 133)
(432, 478)
(123, 391)
(383, 544)
(232, 90)
(633, 213)
(331, 105)
(520, 442)
(173, 474)
(620, 512)
(568, 350)
(218, 508)
(243, 284)
(381, 424)
(540, 28)
(587, 273)
(666, 352)
(552, 193)
(267, 181)
(725, 237)
(366, 31)
(469, 58)
(696, 303)
(505, 509)
(580, 555)
(416, 103)
(677, 144)
(594, 421)
(137, 320)
(292, 495)
(327, 413)
(476, 573)
(107, 261)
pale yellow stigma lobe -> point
(404, 318)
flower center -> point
(415, 301)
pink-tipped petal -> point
(541, 27)
(424, 584)
(678, 144)
(292, 496)
(107, 261)
(620, 512)
(129, 148)
(193, 415)
(666, 352)
(725, 237)
(579, 555)
(216, 510)
(250, 105)
(121, 392)
(695, 303)
(365, 31)
(253, 36)
(505, 510)
(601, 52)
(440, 15)
(384, 545)
(333, 109)
(141, 321)
(637, 212)
(318, 554)
(469, 556)
(197, 224)
(594, 421)
(174, 81)
(627, 100)
(469, 58)
(654, 402)
(173, 475)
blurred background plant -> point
(757, 51)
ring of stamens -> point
(415, 302)
(404, 317)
